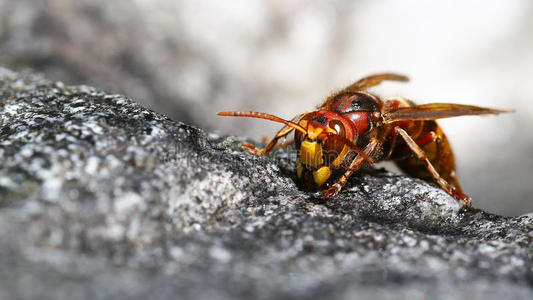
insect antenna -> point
(260, 115)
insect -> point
(354, 127)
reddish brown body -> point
(354, 126)
(429, 136)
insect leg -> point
(420, 154)
(263, 151)
(283, 132)
(266, 140)
(392, 146)
(452, 175)
(354, 166)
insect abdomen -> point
(431, 139)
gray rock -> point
(101, 198)
(189, 60)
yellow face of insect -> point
(313, 166)
(310, 149)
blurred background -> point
(190, 59)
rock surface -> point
(189, 60)
(101, 198)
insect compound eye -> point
(338, 127)
(334, 143)
(332, 148)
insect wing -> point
(376, 79)
(435, 111)
(361, 85)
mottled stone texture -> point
(191, 58)
(101, 198)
